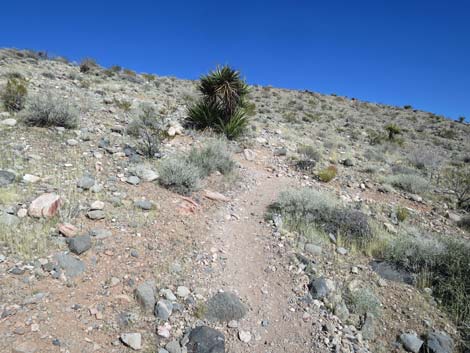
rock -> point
(173, 347)
(79, 245)
(341, 311)
(72, 266)
(8, 122)
(203, 339)
(244, 336)
(224, 307)
(22, 213)
(348, 162)
(145, 295)
(281, 151)
(45, 206)
(212, 195)
(96, 215)
(368, 328)
(391, 273)
(390, 228)
(410, 342)
(145, 173)
(67, 230)
(132, 340)
(454, 217)
(163, 309)
(97, 205)
(355, 270)
(321, 288)
(133, 180)
(182, 292)
(313, 249)
(249, 154)
(25, 347)
(232, 324)
(6, 178)
(439, 342)
(31, 179)
(86, 182)
(416, 198)
(164, 330)
(72, 142)
(100, 233)
(168, 294)
(8, 220)
(143, 204)
(342, 251)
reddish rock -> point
(45, 205)
(68, 230)
(212, 195)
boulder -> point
(203, 339)
(45, 206)
(224, 307)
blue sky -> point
(394, 52)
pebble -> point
(182, 292)
(132, 340)
(244, 336)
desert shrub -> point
(327, 174)
(213, 156)
(49, 110)
(464, 223)
(363, 301)
(87, 64)
(392, 131)
(425, 160)
(149, 128)
(445, 264)
(14, 94)
(177, 174)
(306, 208)
(402, 213)
(223, 105)
(457, 180)
(409, 182)
(123, 104)
(309, 156)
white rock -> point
(29, 178)
(97, 205)
(133, 340)
(182, 292)
(8, 122)
(244, 336)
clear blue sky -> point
(394, 52)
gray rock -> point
(368, 328)
(133, 180)
(391, 273)
(8, 220)
(9, 122)
(203, 339)
(144, 172)
(143, 204)
(70, 265)
(132, 340)
(6, 178)
(341, 311)
(348, 162)
(86, 182)
(342, 251)
(145, 295)
(320, 288)
(313, 249)
(281, 151)
(182, 292)
(100, 233)
(162, 350)
(224, 307)
(410, 342)
(439, 342)
(25, 347)
(173, 347)
(80, 244)
(96, 215)
(163, 309)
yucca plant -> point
(222, 106)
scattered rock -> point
(249, 154)
(203, 339)
(143, 204)
(144, 172)
(145, 295)
(25, 347)
(321, 287)
(9, 122)
(411, 342)
(71, 265)
(173, 347)
(86, 182)
(244, 336)
(439, 342)
(67, 230)
(97, 205)
(391, 273)
(212, 195)
(45, 206)
(8, 220)
(31, 179)
(182, 292)
(132, 340)
(225, 307)
(96, 215)
(313, 249)
(368, 327)
(163, 309)
(342, 251)
(79, 245)
(133, 180)
(100, 233)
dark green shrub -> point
(48, 110)
(14, 94)
(402, 213)
(327, 174)
(87, 64)
(392, 130)
(223, 106)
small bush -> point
(409, 182)
(392, 130)
(213, 156)
(306, 208)
(457, 180)
(179, 175)
(149, 128)
(14, 94)
(123, 104)
(402, 213)
(87, 64)
(464, 223)
(363, 301)
(309, 156)
(45, 111)
(327, 174)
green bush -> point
(213, 156)
(327, 174)
(306, 208)
(87, 64)
(14, 94)
(409, 182)
(363, 301)
(392, 130)
(149, 128)
(223, 105)
(47, 110)
(177, 174)
(402, 213)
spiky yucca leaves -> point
(223, 102)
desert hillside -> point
(321, 224)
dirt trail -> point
(256, 267)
